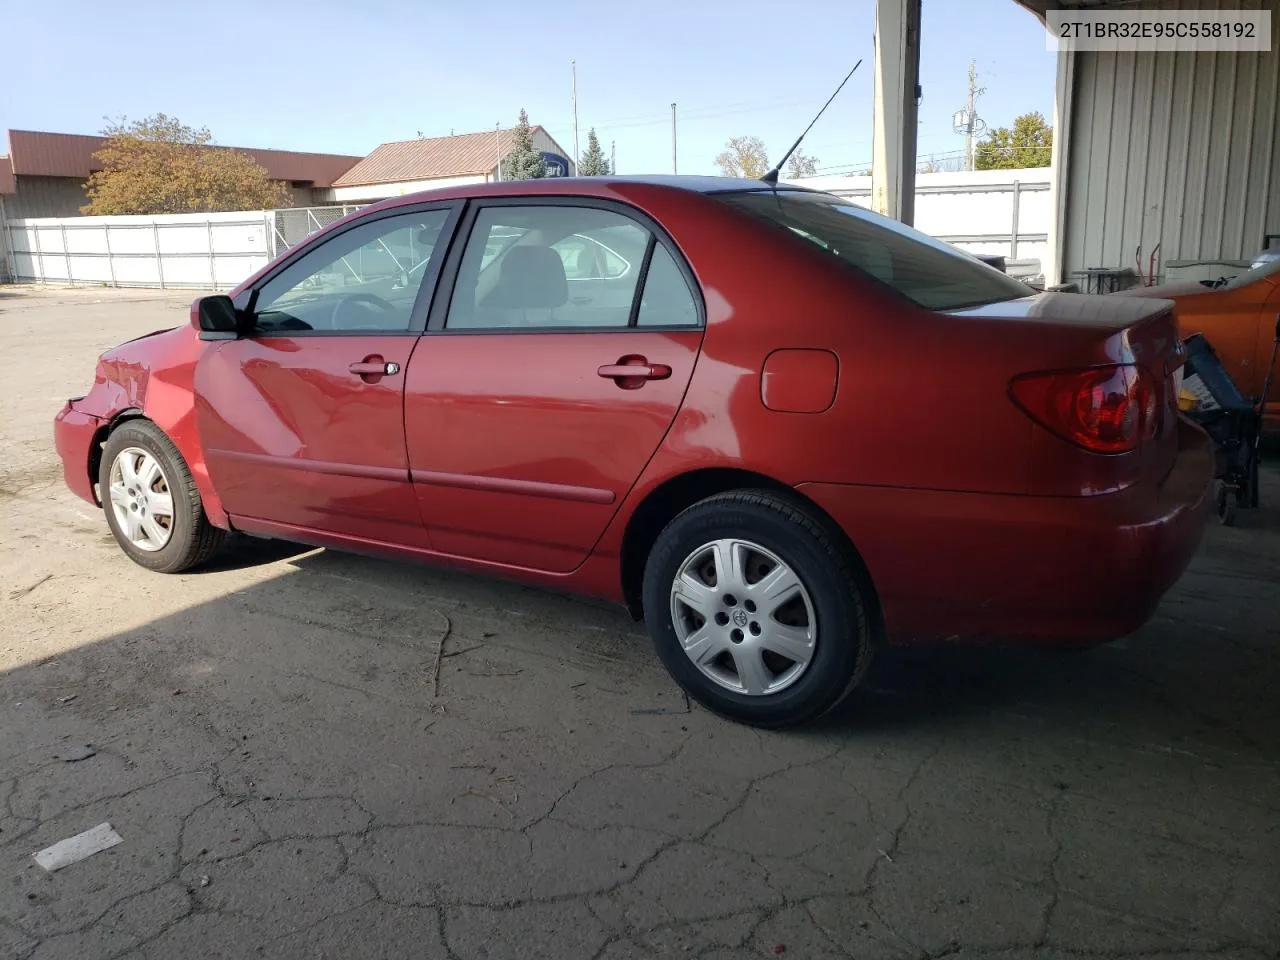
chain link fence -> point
(292, 226)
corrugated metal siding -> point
(1176, 149)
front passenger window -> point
(364, 280)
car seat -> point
(531, 286)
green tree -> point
(800, 164)
(523, 162)
(744, 157)
(160, 165)
(594, 163)
(1028, 144)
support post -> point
(111, 262)
(213, 270)
(1017, 213)
(35, 235)
(1059, 173)
(897, 79)
(66, 253)
(155, 232)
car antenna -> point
(771, 177)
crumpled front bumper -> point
(73, 433)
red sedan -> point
(778, 427)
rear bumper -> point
(73, 432)
(965, 567)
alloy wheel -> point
(743, 617)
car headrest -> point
(531, 277)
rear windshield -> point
(931, 273)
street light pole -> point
(577, 157)
(673, 138)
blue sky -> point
(344, 77)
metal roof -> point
(431, 158)
(6, 175)
(37, 154)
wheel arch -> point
(100, 436)
(663, 503)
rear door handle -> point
(639, 369)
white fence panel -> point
(1001, 212)
(205, 251)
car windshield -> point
(931, 273)
(1268, 268)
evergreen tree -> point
(523, 161)
(594, 163)
(1028, 144)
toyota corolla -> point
(779, 428)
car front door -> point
(302, 417)
(530, 416)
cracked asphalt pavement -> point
(289, 783)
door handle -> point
(370, 367)
(632, 371)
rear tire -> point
(757, 610)
(151, 502)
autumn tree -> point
(159, 165)
(744, 157)
(594, 163)
(800, 164)
(523, 162)
(1028, 144)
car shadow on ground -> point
(1218, 625)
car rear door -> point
(302, 416)
(532, 409)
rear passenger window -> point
(548, 266)
(666, 300)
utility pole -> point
(613, 156)
(966, 121)
(673, 138)
(577, 157)
(968, 139)
(497, 143)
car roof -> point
(587, 187)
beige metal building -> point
(1153, 147)
(427, 163)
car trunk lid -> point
(1063, 332)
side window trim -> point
(450, 266)
(247, 300)
(633, 318)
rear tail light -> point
(1102, 409)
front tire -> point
(757, 610)
(151, 502)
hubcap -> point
(743, 617)
(141, 499)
